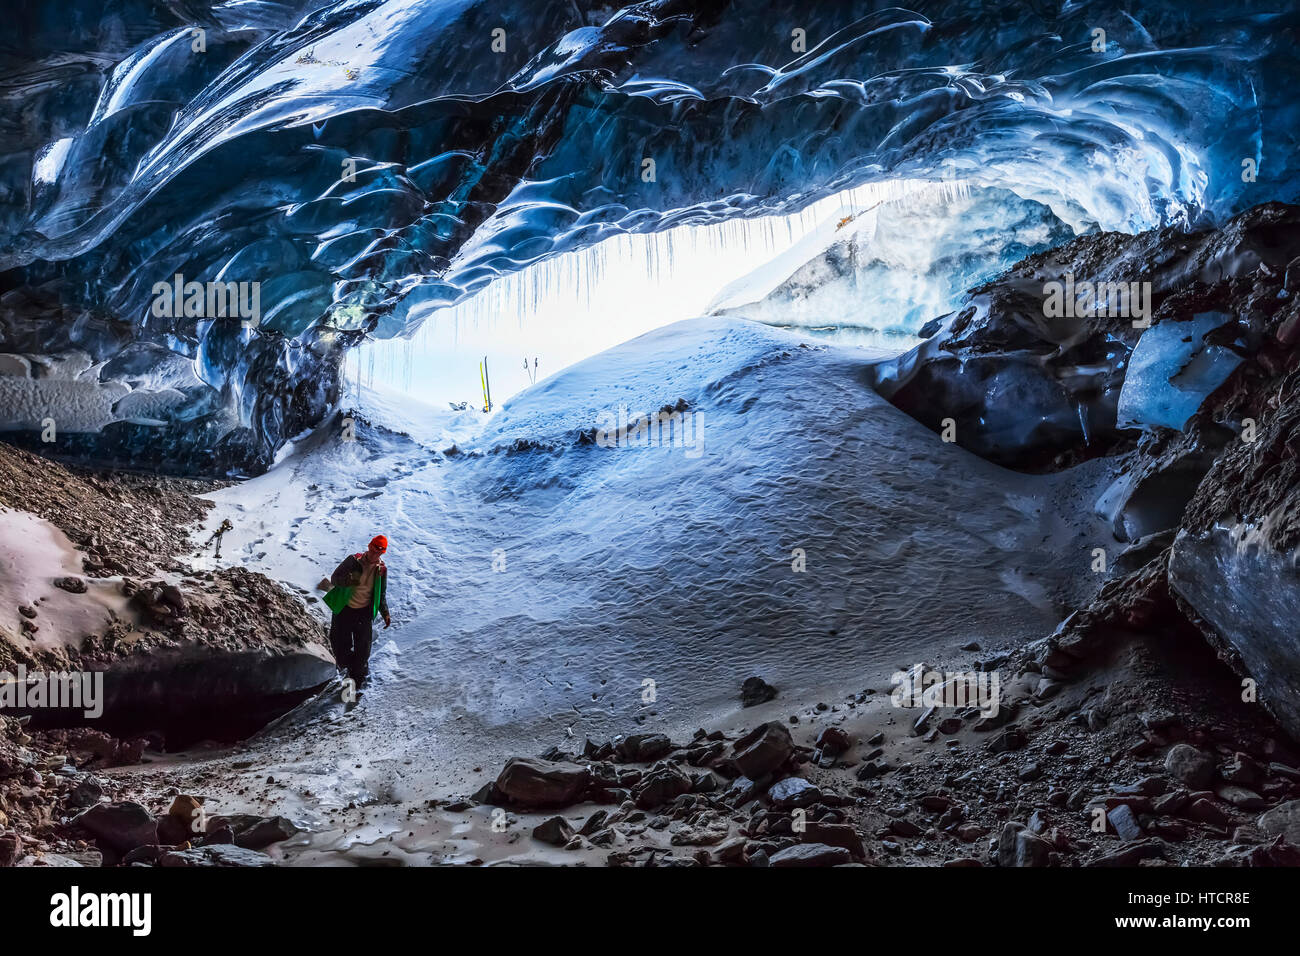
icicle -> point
(574, 281)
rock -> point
(265, 832)
(11, 849)
(970, 832)
(936, 802)
(763, 750)
(1146, 787)
(811, 854)
(833, 741)
(87, 792)
(594, 823)
(489, 794)
(756, 691)
(172, 596)
(1283, 821)
(1159, 720)
(705, 782)
(1189, 765)
(146, 854)
(1010, 739)
(835, 834)
(949, 726)
(1047, 688)
(1030, 771)
(119, 826)
(870, 770)
(182, 821)
(1132, 854)
(994, 721)
(1170, 830)
(1125, 824)
(793, 792)
(1171, 803)
(1248, 835)
(235, 822)
(732, 852)
(529, 782)
(709, 832)
(1206, 811)
(1240, 797)
(73, 585)
(741, 790)
(643, 748)
(904, 828)
(172, 831)
(222, 834)
(62, 860)
(1241, 770)
(1282, 770)
(1277, 853)
(210, 856)
(660, 785)
(1019, 847)
(556, 831)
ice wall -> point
(890, 268)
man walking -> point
(359, 595)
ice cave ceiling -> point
(366, 162)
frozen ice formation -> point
(893, 268)
(48, 393)
(369, 161)
(1172, 370)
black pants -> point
(350, 638)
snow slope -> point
(539, 582)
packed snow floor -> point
(538, 583)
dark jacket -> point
(348, 575)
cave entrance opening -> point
(866, 266)
(554, 313)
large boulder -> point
(763, 750)
(660, 785)
(527, 782)
(264, 832)
(1189, 765)
(835, 834)
(120, 827)
(1283, 821)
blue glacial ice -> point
(371, 161)
(1172, 370)
(891, 268)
